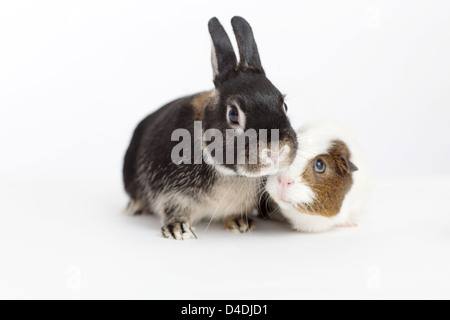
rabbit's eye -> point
(233, 115)
(319, 166)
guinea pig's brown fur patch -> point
(331, 186)
(199, 102)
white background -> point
(76, 77)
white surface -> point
(77, 76)
(71, 241)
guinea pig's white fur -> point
(315, 138)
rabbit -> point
(329, 182)
(242, 99)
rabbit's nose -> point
(273, 155)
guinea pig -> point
(329, 182)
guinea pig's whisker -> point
(306, 207)
(258, 196)
(307, 155)
(267, 204)
(259, 201)
(296, 168)
(273, 213)
(300, 155)
(321, 185)
(314, 211)
(323, 207)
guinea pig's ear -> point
(345, 165)
(223, 57)
(248, 50)
(352, 167)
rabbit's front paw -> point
(178, 230)
(240, 225)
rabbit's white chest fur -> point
(229, 196)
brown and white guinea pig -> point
(329, 182)
(243, 99)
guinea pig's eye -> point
(285, 107)
(319, 166)
(233, 115)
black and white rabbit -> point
(243, 99)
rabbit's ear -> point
(248, 51)
(223, 57)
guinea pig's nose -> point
(285, 182)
